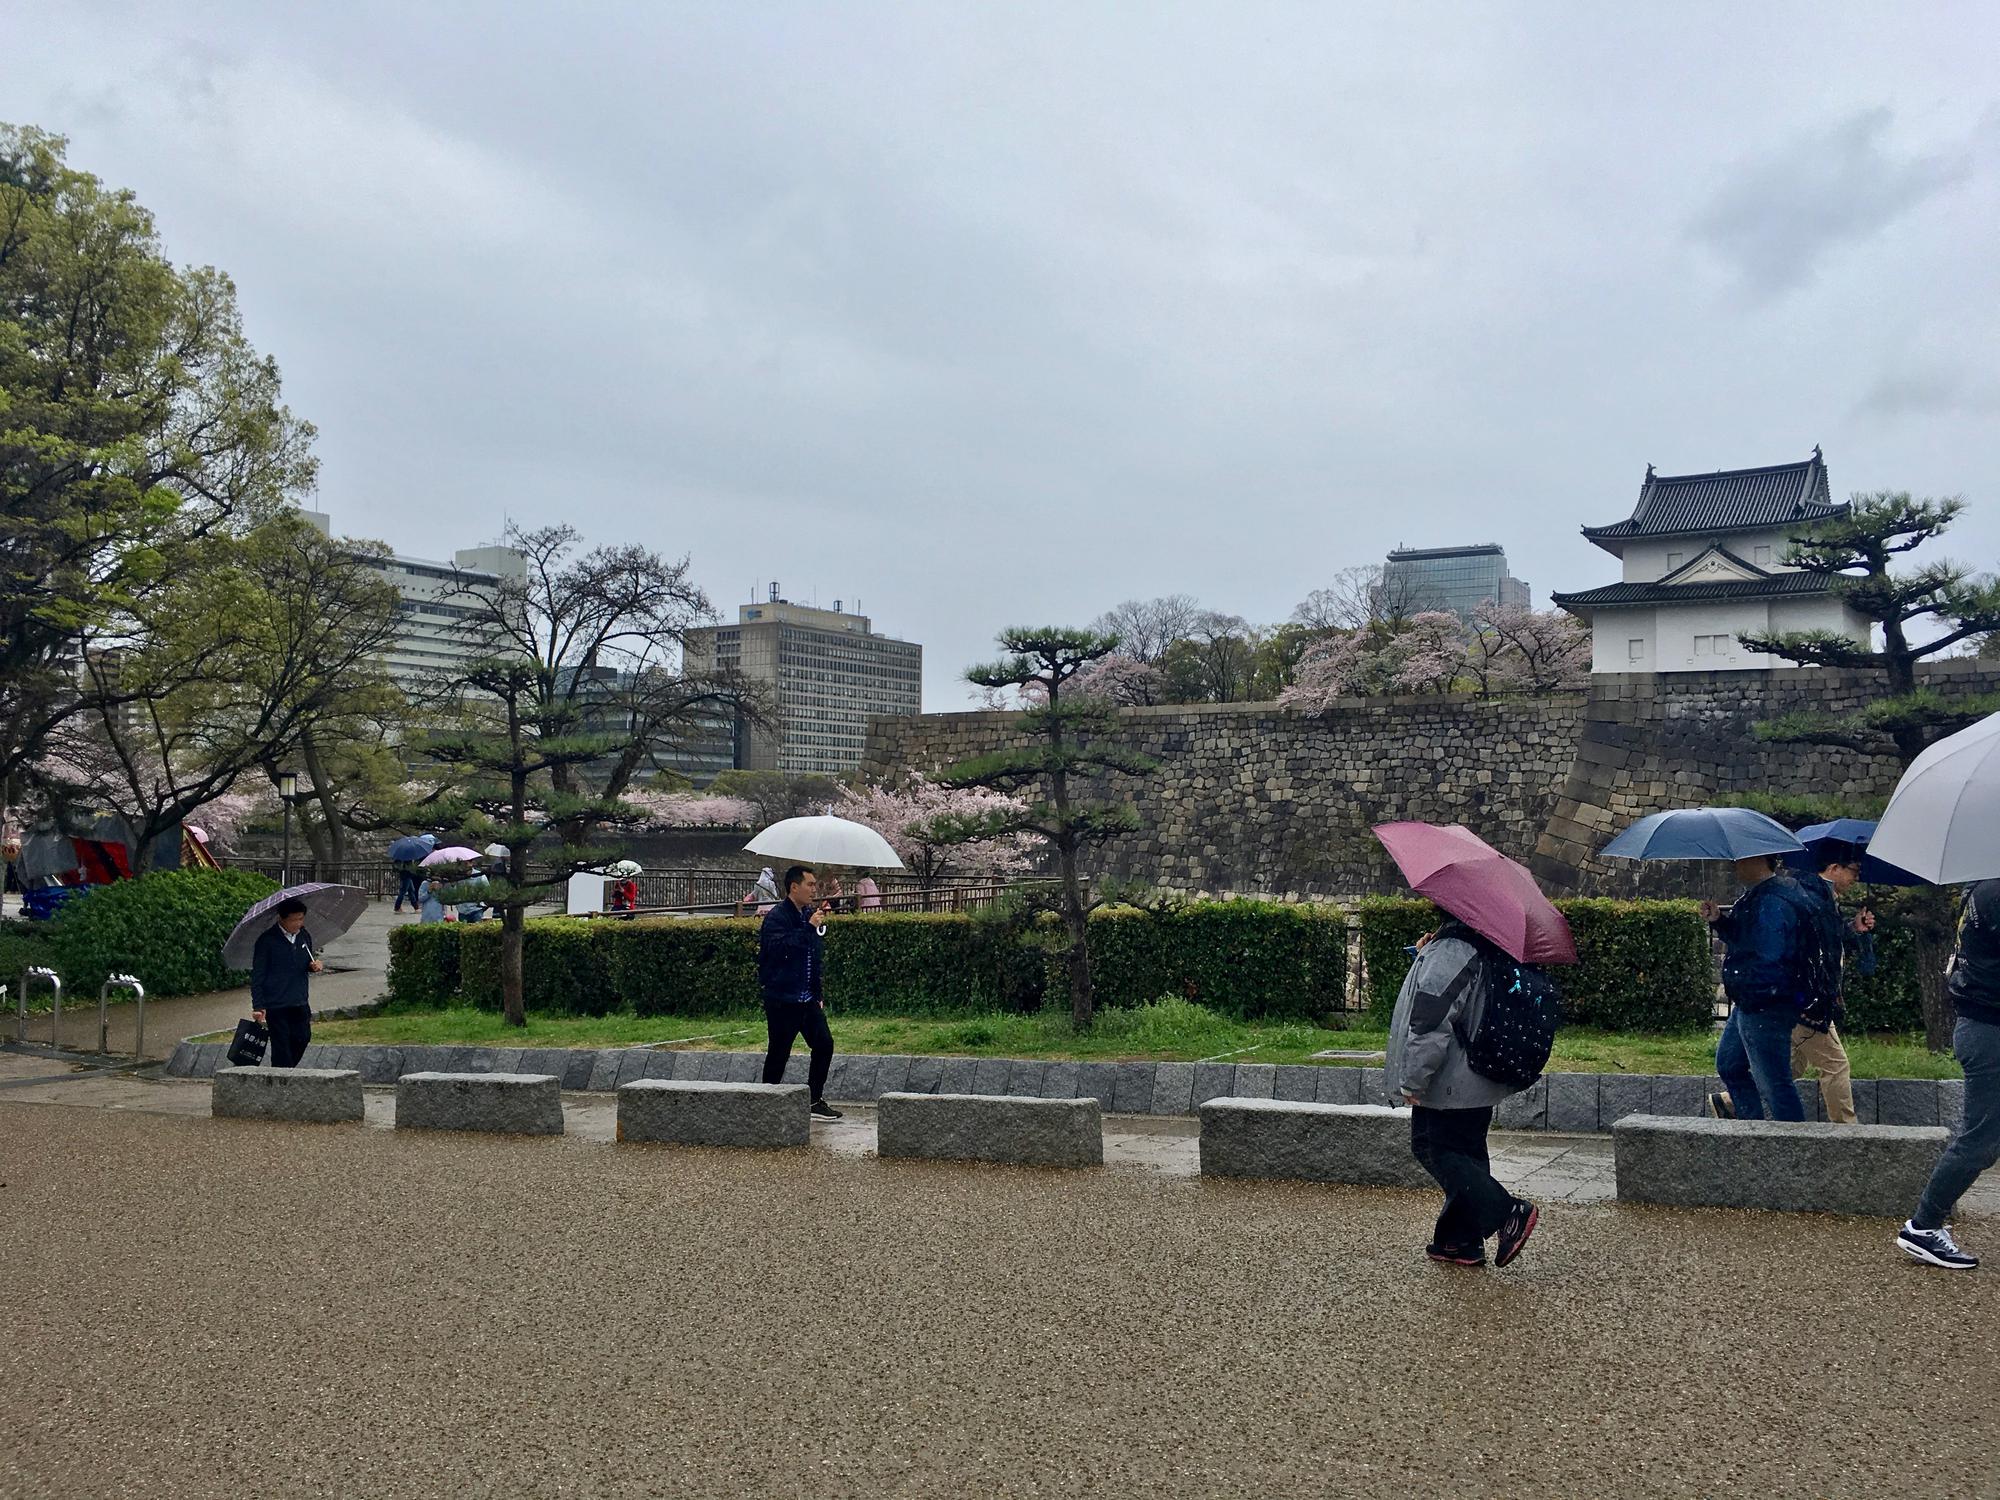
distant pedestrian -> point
(471, 908)
(1974, 987)
(1451, 1106)
(407, 881)
(1774, 965)
(791, 973)
(763, 895)
(279, 966)
(430, 903)
(868, 893)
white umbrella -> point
(625, 869)
(1943, 822)
(826, 840)
(497, 851)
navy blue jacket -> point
(1974, 983)
(1776, 938)
(278, 972)
(790, 963)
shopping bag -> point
(246, 1048)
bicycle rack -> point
(121, 982)
(28, 976)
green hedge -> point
(1644, 965)
(168, 928)
(1251, 959)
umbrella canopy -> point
(455, 854)
(330, 911)
(1823, 840)
(625, 869)
(1703, 833)
(1497, 898)
(497, 851)
(410, 847)
(826, 840)
(1943, 823)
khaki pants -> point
(1822, 1050)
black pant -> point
(1450, 1144)
(788, 1019)
(291, 1030)
(406, 886)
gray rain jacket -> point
(1440, 1005)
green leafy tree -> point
(1070, 741)
(136, 424)
(1857, 555)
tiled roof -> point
(1728, 500)
(1689, 593)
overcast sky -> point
(996, 314)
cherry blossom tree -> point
(1540, 651)
(1334, 667)
(1123, 680)
(909, 816)
(1429, 655)
(660, 810)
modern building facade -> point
(430, 619)
(1704, 563)
(1459, 579)
(825, 672)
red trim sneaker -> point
(1457, 1255)
(1514, 1233)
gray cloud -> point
(1778, 216)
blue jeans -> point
(1754, 1059)
(1975, 1145)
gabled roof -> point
(1727, 500)
(1735, 568)
(1615, 595)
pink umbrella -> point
(1488, 892)
(457, 854)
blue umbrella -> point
(1821, 841)
(415, 846)
(1702, 833)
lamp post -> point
(288, 788)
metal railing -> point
(942, 896)
(120, 982)
(28, 976)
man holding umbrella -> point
(279, 966)
(791, 967)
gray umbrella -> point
(330, 911)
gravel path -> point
(211, 1307)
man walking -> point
(1451, 1106)
(790, 971)
(1773, 942)
(1974, 987)
(279, 966)
(1816, 1039)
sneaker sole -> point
(1917, 1252)
(1453, 1260)
(1507, 1256)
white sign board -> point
(586, 894)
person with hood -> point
(1775, 963)
(279, 968)
(763, 895)
(430, 902)
(1451, 1106)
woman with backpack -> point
(1443, 1002)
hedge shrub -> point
(1644, 965)
(23, 944)
(1249, 959)
(167, 927)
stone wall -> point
(1254, 800)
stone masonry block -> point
(1059, 1080)
(892, 1073)
(1132, 1088)
(315, 1095)
(1097, 1081)
(924, 1075)
(1297, 1082)
(1618, 1095)
(1906, 1101)
(1769, 1164)
(1338, 1085)
(1213, 1080)
(1679, 1095)
(990, 1076)
(769, 1115)
(962, 1127)
(859, 1079)
(1572, 1103)
(957, 1075)
(1024, 1078)
(1951, 1102)
(1173, 1088)
(710, 1067)
(1362, 1144)
(515, 1103)
(1865, 1099)
(578, 1067)
(1527, 1110)
(660, 1064)
(687, 1067)
(1375, 1087)
(1255, 1080)
(744, 1067)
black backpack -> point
(1517, 1030)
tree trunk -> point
(1930, 955)
(1076, 920)
(512, 935)
(335, 851)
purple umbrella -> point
(330, 911)
(457, 854)
(1488, 892)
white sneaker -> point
(1935, 1247)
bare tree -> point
(1358, 597)
(1147, 628)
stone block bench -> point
(991, 1127)
(694, 1113)
(1769, 1164)
(511, 1103)
(1366, 1145)
(320, 1096)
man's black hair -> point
(291, 906)
(794, 875)
(1840, 854)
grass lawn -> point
(1171, 1031)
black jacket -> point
(1974, 985)
(789, 955)
(278, 971)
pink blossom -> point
(904, 815)
(1120, 679)
(692, 810)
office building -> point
(1704, 563)
(825, 672)
(1459, 579)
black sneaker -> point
(821, 1110)
(1935, 1247)
(1721, 1107)
(1514, 1233)
(1457, 1255)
